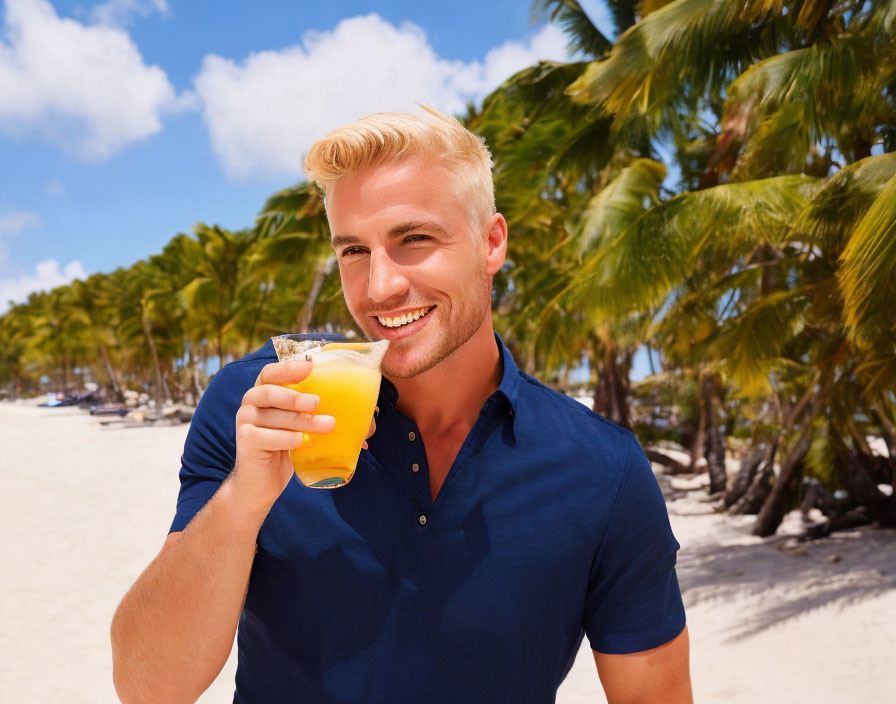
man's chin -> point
(406, 366)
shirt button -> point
(415, 467)
(422, 520)
(411, 436)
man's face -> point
(403, 242)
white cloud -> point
(54, 187)
(47, 275)
(11, 224)
(85, 88)
(264, 112)
(121, 13)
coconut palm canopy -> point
(718, 184)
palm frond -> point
(877, 372)
(883, 16)
(868, 277)
(830, 82)
(780, 144)
(635, 189)
(666, 244)
(583, 36)
(650, 62)
(841, 202)
(749, 344)
(645, 7)
(811, 13)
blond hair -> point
(394, 137)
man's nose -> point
(386, 279)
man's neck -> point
(449, 396)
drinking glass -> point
(346, 377)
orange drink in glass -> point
(346, 377)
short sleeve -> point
(210, 447)
(634, 601)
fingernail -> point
(364, 444)
(315, 401)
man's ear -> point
(495, 243)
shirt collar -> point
(510, 378)
(509, 387)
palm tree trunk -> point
(66, 372)
(160, 387)
(745, 475)
(775, 506)
(715, 447)
(116, 386)
(650, 360)
(220, 343)
(881, 507)
(612, 388)
(888, 430)
(760, 487)
(193, 365)
(699, 444)
(306, 315)
(250, 341)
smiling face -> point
(412, 272)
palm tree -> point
(94, 299)
(223, 295)
(294, 252)
(758, 102)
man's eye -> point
(348, 251)
(416, 238)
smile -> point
(405, 319)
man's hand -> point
(270, 422)
(657, 676)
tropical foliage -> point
(717, 186)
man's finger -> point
(286, 420)
(273, 396)
(269, 439)
(291, 372)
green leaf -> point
(635, 189)
(868, 277)
(750, 344)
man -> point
(491, 523)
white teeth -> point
(404, 319)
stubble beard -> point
(450, 340)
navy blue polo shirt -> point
(549, 526)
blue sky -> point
(126, 121)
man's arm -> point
(658, 676)
(174, 629)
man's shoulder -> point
(534, 392)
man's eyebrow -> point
(406, 227)
(339, 240)
(397, 231)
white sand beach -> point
(85, 508)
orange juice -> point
(348, 389)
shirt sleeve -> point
(210, 448)
(634, 601)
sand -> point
(86, 508)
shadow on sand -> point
(778, 578)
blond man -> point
(491, 524)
